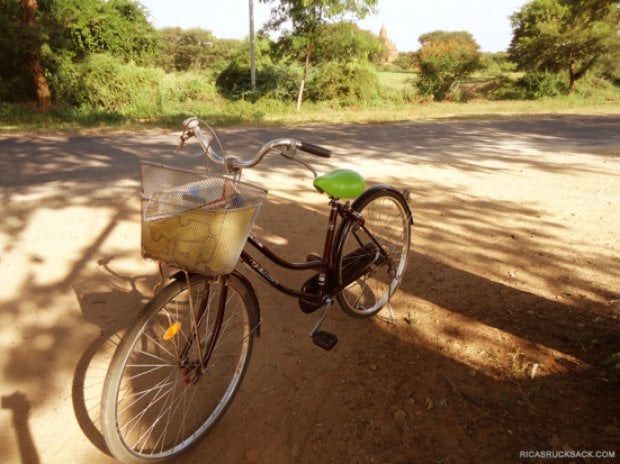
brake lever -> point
(184, 136)
(291, 154)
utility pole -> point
(252, 52)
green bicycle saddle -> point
(342, 183)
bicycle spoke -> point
(134, 422)
(158, 345)
(166, 411)
(140, 395)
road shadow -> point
(458, 360)
(449, 380)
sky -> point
(405, 20)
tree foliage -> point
(443, 59)
(345, 42)
(557, 35)
(193, 49)
(338, 42)
(306, 16)
(67, 32)
(85, 27)
(16, 82)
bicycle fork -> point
(194, 370)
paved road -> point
(72, 275)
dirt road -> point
(508, 312)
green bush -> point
(106, 83)
(346, 83)
(507, 89)
(66, 82)
(594, 88)
(187, 87)
(542, 84)
(272, 82)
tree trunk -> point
(303, 79)
(573, 76)
(572, 85)
(29, 19)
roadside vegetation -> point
(94, 63)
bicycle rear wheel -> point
(158, 397)
(374, 278)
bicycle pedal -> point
(324, 339)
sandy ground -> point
(508, 311)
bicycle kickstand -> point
(325, 340)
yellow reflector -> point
(172, 331)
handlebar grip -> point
(314, 149)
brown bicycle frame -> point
(325, 265)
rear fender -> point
(402, 195)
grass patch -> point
(396, 80)
(398, 102)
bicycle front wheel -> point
(159, 396)
(372, 278)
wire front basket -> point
(196, 222)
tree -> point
(306, 17)
(443, 59)
(556, 35)
(185, 49)
(30, 9)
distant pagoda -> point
(392, 53)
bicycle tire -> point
(388, 218)
(155, 403)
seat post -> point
(331, 231)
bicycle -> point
(179, 366)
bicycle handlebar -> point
(285, 146)
(315, 149)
